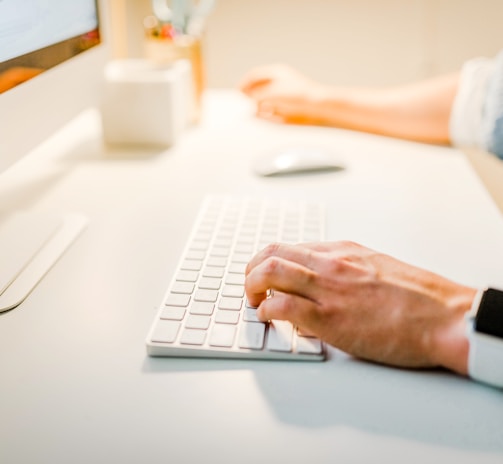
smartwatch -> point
(485, 336)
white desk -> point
(76, 384)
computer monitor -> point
(52, 54)
(59, 44)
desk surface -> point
(76, 383)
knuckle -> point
(335, 265)
(271, 249)
(271, 265)
(311, 278)
(347, 245)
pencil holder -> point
(145, 103)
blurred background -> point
(345, 42)
(348, 42)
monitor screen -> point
(36, 35)
(52, 55)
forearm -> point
(419, 111)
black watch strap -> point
(489, 318)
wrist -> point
(352, 108)
(451, 347)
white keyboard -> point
(204, 312)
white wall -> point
(340, 41)
(351, 41)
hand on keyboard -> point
(205, 312)
(366, 303)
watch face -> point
(489, 319)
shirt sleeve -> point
(477, 113)
(492, 114)
(465, 123)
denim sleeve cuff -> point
(465, 123)
(492, 118)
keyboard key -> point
(202, 307)
(187, 276)
(220, 251)
(209, 283)
(193, 337)
(172, 312)
(198, 322)
(268, 238)
(182, 287)
(250, 315)
(241, 257)
(233, 304)
(214, 272)
(235, 279)
(227, 317)
(222, 335)
(236, 291)
(309, 345)
(192, 265)
(195, 254)
(165, 331)
(206, 295)
(246, 240)
(225, 234)
(280, 335)
(217, 261)
(223, 242)
(237, 268)
(244, 248)
(252, 335)
(177, 299)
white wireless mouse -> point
(296, 160)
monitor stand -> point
(30, 244)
